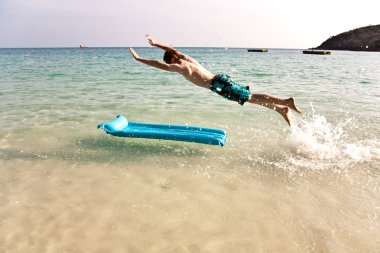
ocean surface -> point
(66, 186)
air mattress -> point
(122, 128)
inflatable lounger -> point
(122, 128)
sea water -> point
(67, 187)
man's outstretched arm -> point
(154, 63)
(164, 47)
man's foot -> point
(284, 111)
(292, 105)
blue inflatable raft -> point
(122, 128)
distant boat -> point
(82, 46)
(316, 52)
(258, 50)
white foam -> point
(319, 144)
(358, 152)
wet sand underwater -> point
(57, 207)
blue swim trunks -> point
(227, 87)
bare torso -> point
(195, 73)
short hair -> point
(169, 55)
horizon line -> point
(89, 47)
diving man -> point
(222, 84)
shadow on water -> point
(106, 149)
(140, 147)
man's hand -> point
(151, 40)
(135, 55)
(155, 43)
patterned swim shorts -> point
(225, 86)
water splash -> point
(317, 143)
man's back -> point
(193, 72)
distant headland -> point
(361, 39)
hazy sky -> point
(222, 23)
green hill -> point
(360, 39)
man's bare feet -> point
(284, 111)
(292, 105)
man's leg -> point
(271, 103)
(264, 99)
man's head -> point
(171, 57)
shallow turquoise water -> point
(312, 187)
(72, 90)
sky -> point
(181, 23)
